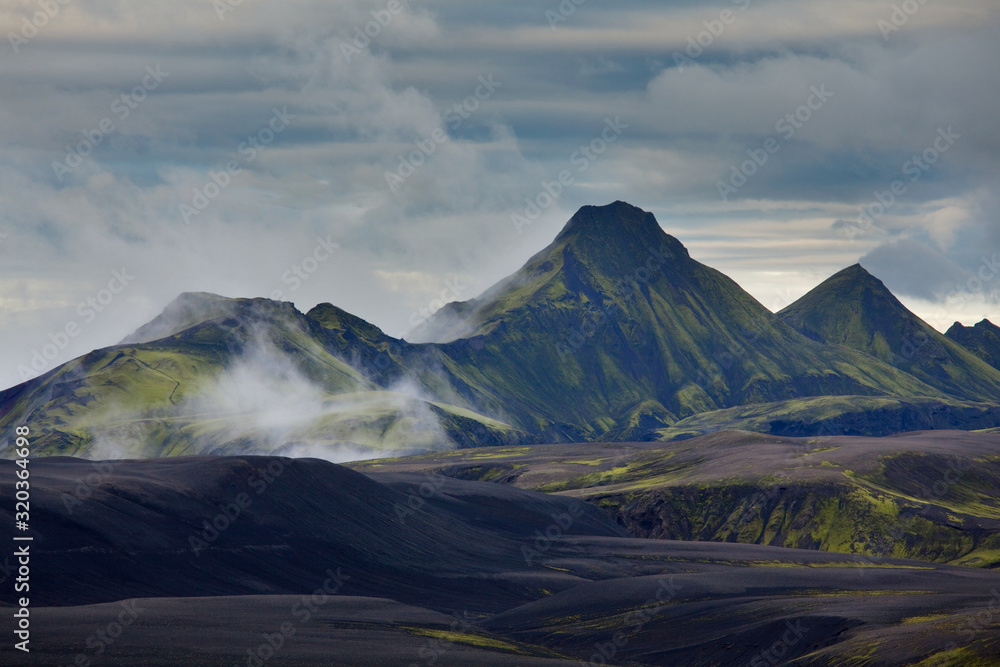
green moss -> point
(468, 639)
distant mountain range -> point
(612, 332)
(983, 340)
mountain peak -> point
(849, 292)
(853, 283)
(621, 228)
(619, 218)
(856, 272)
(983, 340)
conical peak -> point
(613, 219)
(857, 277)
(619, 225)
(857, 272)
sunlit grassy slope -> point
(227, 377)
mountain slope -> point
(926, 495)
(983, 340)
(856, 309)
(303, 563)
(611, 332)
(234, 376)
(614, 329)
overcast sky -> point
(115, 115)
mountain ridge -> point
(983, 340)
(856, 309)
(612, 331)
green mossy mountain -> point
(612, 332)
(855, 309)
(983, 340)
(233, 376)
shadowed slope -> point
(983, 340)
(255, 525)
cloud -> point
(915, 269)
(361, 115)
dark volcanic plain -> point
(429, 569)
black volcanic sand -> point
(447, 584)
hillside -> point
(927, 495)
(983, 340)
(612, 332)
(316, 560)
(855, 309)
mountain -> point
(233, 376)
(612, 332)
(983, 340)
(855, 309)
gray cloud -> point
(358, 114)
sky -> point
(389, 156)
